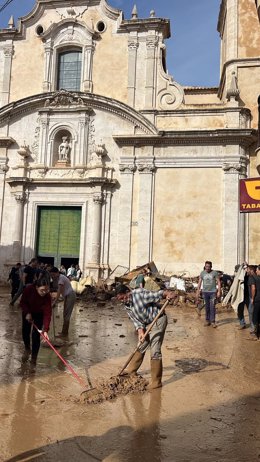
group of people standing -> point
(248, 277)
(40, 289)
(244, 291)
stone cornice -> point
(146, 25)
(6, 141)
(87, 100)
(229, 164)
(197, 111)
(91, 181)
(241, 137)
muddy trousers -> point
(155, 338)
(31, 338)
(18, 293)
(69, 302)
(210, 302)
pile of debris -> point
(115, 386)
(102, 292)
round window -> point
(39, 30)
(100, 27)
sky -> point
(193, 49)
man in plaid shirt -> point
(142, 307)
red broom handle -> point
(77, 377)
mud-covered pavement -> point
(207, 410)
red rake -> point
(77, 377)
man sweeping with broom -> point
(142, 308)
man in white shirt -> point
(64, 289)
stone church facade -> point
(106, 159)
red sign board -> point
(250, 195)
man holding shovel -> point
(142, 307)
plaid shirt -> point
(142, 307)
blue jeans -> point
(210, 301)
(250, 314)
(240, 312)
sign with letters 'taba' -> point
(250, 195)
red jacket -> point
(31, 302)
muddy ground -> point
(207, 410)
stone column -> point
(3, 170)
(44, 149)
(88, 68)
(234, 238)
(83, 128)
(96, 238)
(7, 64)
(150, 85)
(48, 59)
(125, 213)
(20, 198)
(145, 211)
(132, 61)
(94, 265)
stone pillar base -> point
(16, 252)
(62, 163)
(94, 270)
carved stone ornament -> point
(35, 145)
(98, 198)
(233, 91)
(71, 12)
(130, 168)
(4, 168)
(171, 97)
(146, 168)
(8, 51)
(20, 197)
(64, 98)
(24, 151)
(152, 42)
(42, 171)
(133, 45)
(233, 168)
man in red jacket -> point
(36, 308)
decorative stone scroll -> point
(146, 168)
(234, 168)
(171, 97)
(127, 168)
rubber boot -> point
(134, 364)
(65, 329)
(26, 355)
(33, 364)
(156, 374)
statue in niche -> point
(64, 149)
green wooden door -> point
(58, 233)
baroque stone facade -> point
(152, 166)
